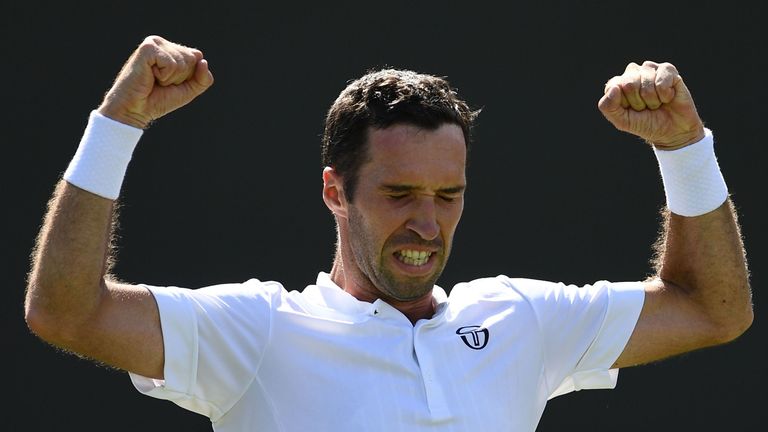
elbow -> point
(53, 323)
(745, 313)
(49, 327)
(40, 321)
(729, 334)
(36, 323)
(741, 326)
(735, 326)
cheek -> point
(379, 223)
(386, 219)
(451, 217)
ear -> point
(333, 192)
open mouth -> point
(413, 257)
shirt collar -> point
(327, 294)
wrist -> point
(102, 158)
(108, 109)
(693, 182)
(682, 140)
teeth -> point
(414, 257)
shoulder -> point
(535, 291)
(249, 288)
(224, 295)
(503, 288)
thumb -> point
(681, 94)
(202, 77)
(194, 86)
(610, 106)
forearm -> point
(70, 260)
(69, 302)
(700, 295)
(704, 258)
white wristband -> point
(693, 183)
(102, 158)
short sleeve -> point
(214, 339)
(583, 330)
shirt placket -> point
(434, 390)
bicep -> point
(670, 323)
(126, 331)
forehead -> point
(405, 153)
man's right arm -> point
(72, 305)
(70, 302)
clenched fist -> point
(652, 102)
(159, 77)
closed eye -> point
(396, 197)
(399, 192)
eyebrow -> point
(409, 188)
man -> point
(374, 344)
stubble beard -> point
(382, 279)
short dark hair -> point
(380, 99)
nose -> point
(423, 220)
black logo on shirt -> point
(475, 337)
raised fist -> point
(652, 102)
(159, 77)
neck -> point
(361, 288)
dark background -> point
(229, 187)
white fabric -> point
(693, 182)
(103, 155)
(255, 357)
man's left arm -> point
(700, 295)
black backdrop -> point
(228, 187)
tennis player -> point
(373, 344)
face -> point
(407, 204)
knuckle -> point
(149, 46)
(193, 56)
(631, 66)
(670, 67)
(153, 40)
(630, 86)
(187, 57)
(647, 83)
(647, 92)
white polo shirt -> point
(255, 357)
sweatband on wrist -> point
(693, 183)
(102, 158)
